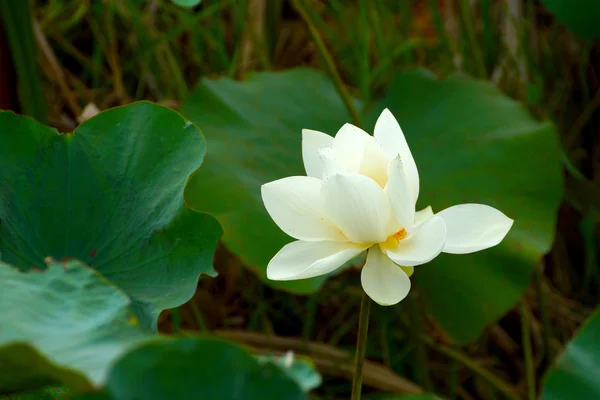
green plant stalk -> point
(273, 18)
(587, 227)
(467, 20)
(198, 317)
(406, 18)
(526, 342)
(17, 19)
(83, 59)
(385, 63)
(546, 327)
(384, 340)
(112, 51)
(240, 23)
(361, 346)
(453, 384)
(439, 26)
(176, 75)
(500, 386)
(148, 47)
(309, 319)
(420, 354)
(98, 61)
(329, 63)
(574, 133)
(365, 51)
(220, 43)
(148, 66)
(490, 392)
(344, 322)
(175, 320)
(530, 40)
(327, 32)
(259, 312)
(262, 51)
(582, 70)
(376, 25)
(488, 33)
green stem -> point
(500, 386)
(329, 63)
(421, 359)
(434, 9)
(311, 310)
(453, 384)
(581, 121)
(546, 328)
(198, 317)
(17, 18)
(175, 320)
(364, 64)
(361, 346)
(526, 340)
(467, 20)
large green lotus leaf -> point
(254, 131)
(472, 144)
(580, 16)
(66, 324)
(111, 195)
(576, 374)
(198, 368)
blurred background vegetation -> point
(114, 52)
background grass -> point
(116, 51)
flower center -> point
(393, 240)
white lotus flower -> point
(360, 194)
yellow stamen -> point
(401, 234)
(393, 240)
